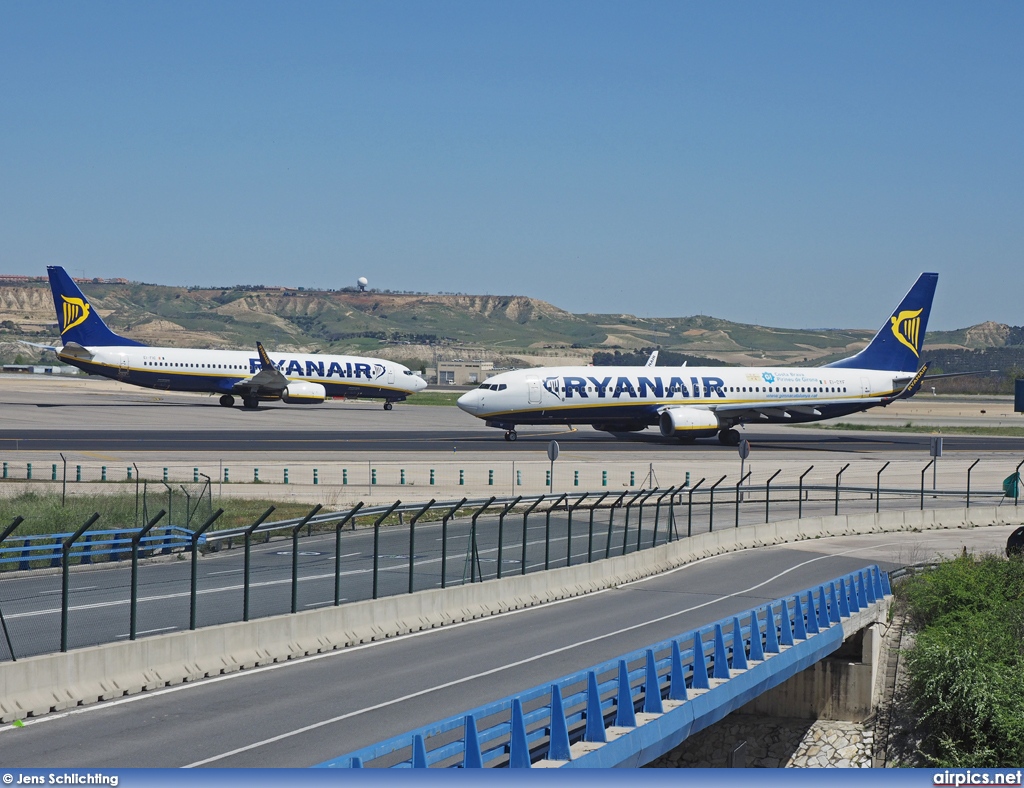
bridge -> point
(630, 710)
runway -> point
(103, 416)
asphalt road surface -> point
(306, 711)
(100, 416)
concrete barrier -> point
(53, 682)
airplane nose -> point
(420, 383)
(470, 401)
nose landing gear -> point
(511, 435)
(388, 405)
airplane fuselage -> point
(634, 397)
(219, 371)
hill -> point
(419, 327)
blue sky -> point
(790, 164)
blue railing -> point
(109, 545)
(683, 686)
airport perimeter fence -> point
(188, 491)
(157, 583)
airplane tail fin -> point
(77, 319)
(897, 345)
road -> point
(306, 711)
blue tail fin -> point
(897, 345)
(77, 320)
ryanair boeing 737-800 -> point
(696, 402)
(295, 378)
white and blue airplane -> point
(294, 378)
(698, 402)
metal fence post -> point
(1016, 487)
(501, 531)
(767, 493)
(738, 485)
(968, 482)
(337, 550)
(689, 507)
(568, 530)
(625, 527)
(444, 541)
(248, 547)
(136, 540)
(473, 550)
(7, 636)
(65, 552)
(412, 543)
(925, 468)
(711, 505)
(800, 494)
(611, 522)
(295, 555)
(838, 476)
(590, 528)
(878, 487)
(640, 518)
(195, 558)
(657, 513)
(547, 529)
(376, 544)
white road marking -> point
(146, 632)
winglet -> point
(265, 361)
(914, 385)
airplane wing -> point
(269, 379)
(36, 344)
(653, 360)
(74, 350)
(941, 375)
(786, 410)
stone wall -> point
(774, 742)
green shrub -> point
(966, 668)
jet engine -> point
(688, 423)
(300, 392)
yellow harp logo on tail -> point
(76, 311)
(906, 327)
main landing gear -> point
(250, 403)
(388, 405)
(511, 435)
(729, 437)
(227, 401)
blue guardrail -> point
(109, 545)
(630, 710)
